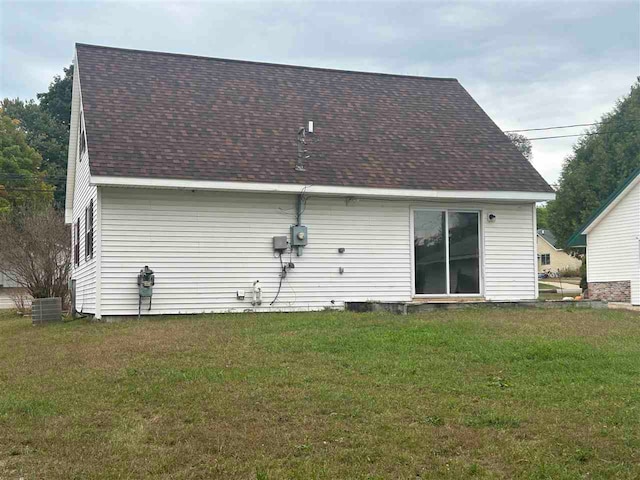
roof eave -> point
(76, 102)
(256, 187)
(548, 242)
(578, 239)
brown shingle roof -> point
(174, 116)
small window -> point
(91, 229)
(545, 259)
(76, 244)
(88, 231)
(83, 139)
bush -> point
(35, 248)
(583, 274)
(571, 272)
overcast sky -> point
(528, 64)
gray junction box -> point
(280, 243)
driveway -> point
(563, 287)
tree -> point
(35, 248)
(522, 143)
(542, 214)
(21, 181)
(46, 127)
(48, 137)
(57, 100)
(600, 161)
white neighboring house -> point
(612, 239)
(402, 188)
(7, 284)
(10, 290)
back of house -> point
(249, 186)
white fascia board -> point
(611, 206)
(108, 181)
(73, 143)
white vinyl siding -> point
(204, 246)
(7, 281)
(612, 246)
(85, 273)
(509, 253)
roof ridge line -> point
(270, 64)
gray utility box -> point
(44, 310)
(280, 243)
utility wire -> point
(563, 126)
(34, 175)
(551, 128)
(452, 137)
(12, 189)
(26, 176)
(581, 134)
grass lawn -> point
(546, 286)
(540, 394)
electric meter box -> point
(146, 281)
(298, 235)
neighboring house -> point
(193, 165)
(10, 291)
(611, 236)
(7, 284)
(551, 258)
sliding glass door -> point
(446, 252)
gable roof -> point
(548, 236)
(168, 116)
(579, 239)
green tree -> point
(46, 127)
(21, 182)
(542, 216)
(522, 143)
(57, 100)
(599, 163)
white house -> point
(8, 286)
(612, 239)
(384, 187)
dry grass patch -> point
(476, 393)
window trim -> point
(86, 223)
(88, 231)
(76, 243)
(91, 228)
(480, 214)
(542, 258)
(82, 138)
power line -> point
(32, 175)
(582, 134)
(26, 190)
(27, 176)
(551, 128)
(561, 126)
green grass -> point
(546, 286)
(479, 393)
